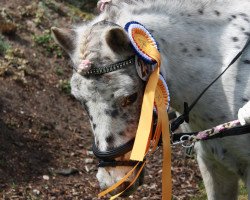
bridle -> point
(108, 158)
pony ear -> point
(65, 38)
(117, 39)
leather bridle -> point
(108, 158)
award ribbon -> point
(156, 93)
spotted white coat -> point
(198, 39)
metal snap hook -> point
(186, 141)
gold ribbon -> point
(161, 102)
(144, 126)
(154, 92)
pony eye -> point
(129, 100)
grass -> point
(46, 41)
(59, 71)
(4, 46)
(242, 192)
(43, 39)
(13, 185)
(202, 193)
(65, 86)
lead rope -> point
(185, 116)
(240, 126)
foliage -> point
(2, 162)
(202, 192)
(4, 46)
(46, 41)
(242, 192)
(59, 71)
(39, 16)
(65, 86)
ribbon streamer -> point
(156, 92)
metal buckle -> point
(185, 141)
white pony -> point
(197, 39)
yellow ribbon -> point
(161, 102)
(154, 92)
(155, 88)
(144, 126)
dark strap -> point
(121, 150)
(240, 130)
(113, 153)
(185, 116)
(115, 163)
(181, 119)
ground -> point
(45, 137)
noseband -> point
(107, 158)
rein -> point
(187, 109)
(232, 128)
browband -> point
(109, 68)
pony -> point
(197, 40)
